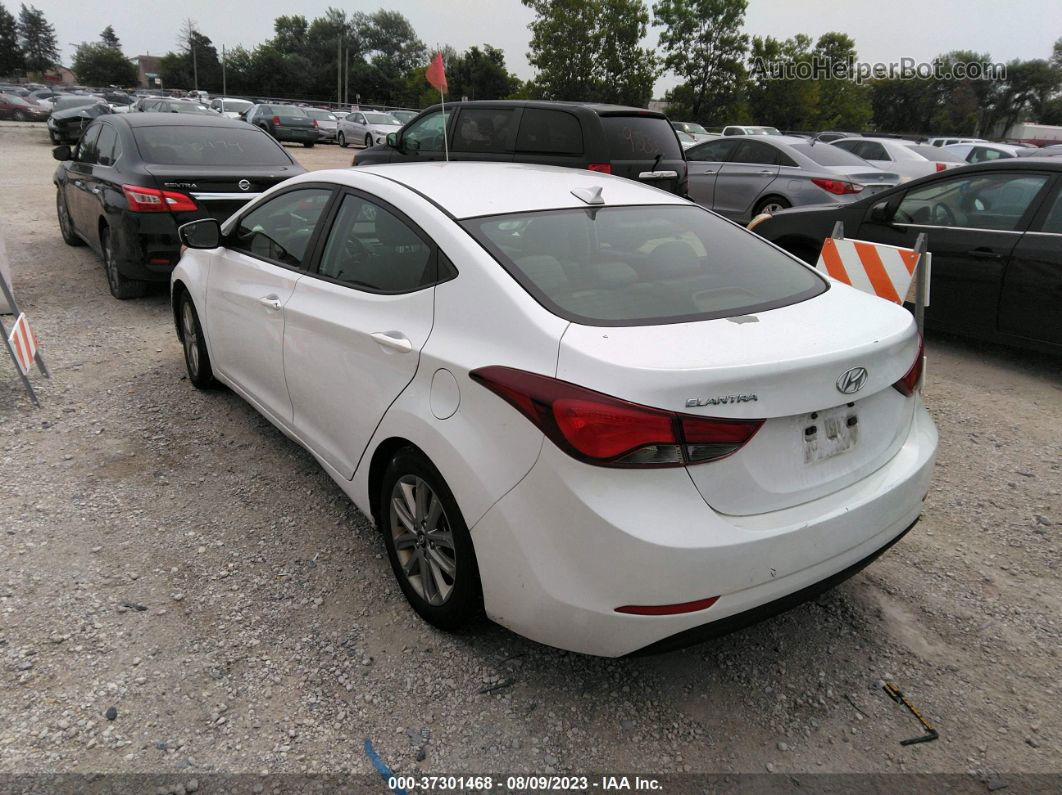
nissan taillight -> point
(913, 377)
(150, 200)
(838, 187)
(606, 431)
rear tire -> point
(19, 116)
(771, 204)
(122, 287)
(342, 140)
(426, 536)
(196, 357)
(308, 144)
(66, 227)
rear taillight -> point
(911, 381)
(606, 431)
(838, 187)
(276, 121)
(150, 200)
(600, 168)
(315, 124)
(942, 166)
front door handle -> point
(271, 301)
(984, 253)
(395, 340)
(766, 172)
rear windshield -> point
(630, 266)
(640, 138)
(74, 102)
(208, 146)
(188, 107)
(936, 153)
(320, 115)
(380, 118)
(235, 105)
(290, 111)
(827, 155)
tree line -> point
(582, 50)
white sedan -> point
(612, 419)
(909, 159)
(366, 128)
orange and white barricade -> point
(21, 343)
(890, 272)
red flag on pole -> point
(436, 73)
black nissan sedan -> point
(994, 230)
(132, 179)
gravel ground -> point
(170, 557)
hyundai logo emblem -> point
(244, 184)
(852, 380)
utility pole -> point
(191, 46)
(224, 83)
(346, 78)
(339, 70)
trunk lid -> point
(783, 366)
(220, 190)
(859, 174)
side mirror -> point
(392, 140)
(62, 153)
(880, 214)
(205, 233)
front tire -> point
(66, 227)
(196, 357)
(342, 140)
(122, 287)
(368, 141)
(428, 542)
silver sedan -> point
(909, 159)
(366, 127)
(743, 176)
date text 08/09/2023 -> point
(524, 783)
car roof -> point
(599, 108)
(175, 120)
(540, 187)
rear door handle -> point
(271, 301)
(766, 172)
(984, 254)
(395, 340)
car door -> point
(751, 167)
(972, 223)
(1031, 303)
(100, 180)
(79, 199)
(704, 162)
(485, 134)
(248, 286)
(355, 327)
(358, 127)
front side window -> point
(980, 201)
(1053, 221)
(280, 230)
(371, 248)
(484, 130)
(625, 266)
(106, 146)
(86, 148)
(426, 134)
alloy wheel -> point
(64, 216)
(423, 539)
(190, 337)
(772, 207)
(368, 141)
(109, 265)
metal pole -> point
(224, 82)
(921, 282)
(13, 306)
(339, 70)
(195, 62)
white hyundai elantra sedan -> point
(611, 419)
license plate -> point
(829, 433)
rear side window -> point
(209, 146)
(640, 138)
(484, 130)
(755, 152)
(371, 248)
(828, 155)
(550, 131)
(712, 152)
(627, 266)
(936, 153)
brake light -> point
(315, 124)
(599, 429)
(942, 166)
(150, 200)
(913, 378)
(600, 168)
(276, 120)
(838, 187)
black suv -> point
(629, 142)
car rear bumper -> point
(296, 135)
(571, 543)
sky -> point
(883, 32)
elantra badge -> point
(852, 380)
(722, 400)
(244, 184)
